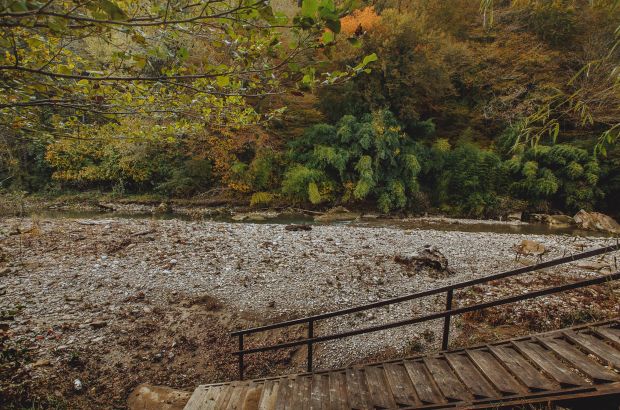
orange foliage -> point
(367, 18)
(222, 146)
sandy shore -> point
(80, 287)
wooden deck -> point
(578, 362)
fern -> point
(261, 199)
(313, 193)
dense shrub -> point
(355, 160)
(464, 180)
(561, 176)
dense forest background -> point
(448, 119)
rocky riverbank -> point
(91, 308)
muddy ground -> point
(89, 309)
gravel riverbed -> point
(71, 283)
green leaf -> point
(279, 18)
(183, 53)
(309, 8)
(113, 10)
(369, 59)
(328, 37)
(223, 80)
(267, 13)
(57, 24)
(18, 6)
(328, 5)
(313, 193)
(333, 25)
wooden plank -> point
(237, 397)
(269, 395)
(522, 369)
(610, 333)
(597, 347)
(471, 376)
(284, 394)
(199, 398)
(319, 393)
(252, 396)
(212, 396)
(304, 392)
(357, 390)
(581, 361)
(380, 393)
(297, 393)
(448, 383)
(495, 372)
(423, 384)
(338, 391)
(224, 397)
(547, 362)
(400, 384)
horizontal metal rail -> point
(439, 315)
(430, 292)
(446, 314)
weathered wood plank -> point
(400, 384)
(305, 386)
(448, 383)
(224, 397)
(199, 398)
(579, 360)
(269, 396)
(237, 397)
(284, 394)
(495, 372)
(547, 362)
(357, 390)
(423, 384)
(338, 391)
(380, 393)
(597, 347)
(471, 376)
(252, 396)
(522, 369)
(612, 334)
(319, 394)
(297, 392)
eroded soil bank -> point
(92, 308)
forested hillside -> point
(460, 107)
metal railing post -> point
(446, 321)
(310, 336)
(241, 356)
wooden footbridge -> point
(579, 363)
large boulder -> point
(595, 221)
(147, 397)
(336, 214)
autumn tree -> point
(69, 68)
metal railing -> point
(446, 314)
